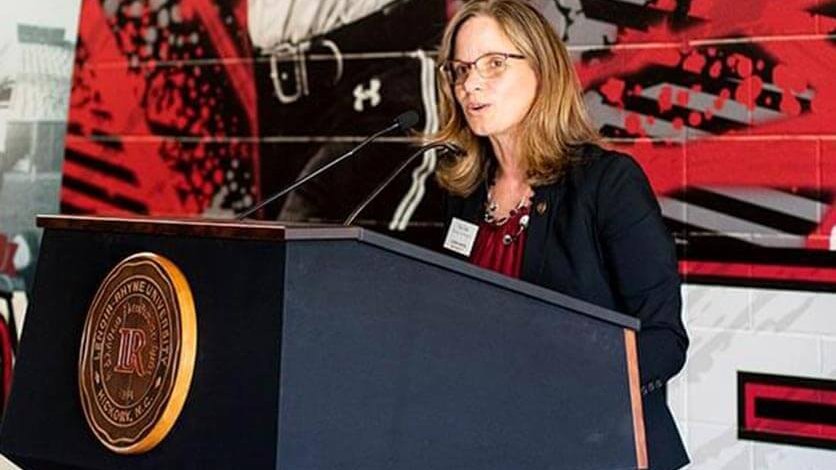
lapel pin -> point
(541, 207)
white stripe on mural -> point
(779, 201)
(729, 226)
(415, 195)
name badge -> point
(461, 236)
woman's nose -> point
(472, 81)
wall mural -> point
(188, 107)
(729, 126)
(201, 107)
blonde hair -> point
(556, 122)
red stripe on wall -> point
(758, 271)
(792, 394)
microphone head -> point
(406, 120)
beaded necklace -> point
(490, 216)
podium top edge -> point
(199, 227)
(289, 231)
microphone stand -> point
(404, 121)
(446, 148)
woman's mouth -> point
(476, 107)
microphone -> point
(446, 147)
(404, 121)
(407, 120)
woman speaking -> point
(551, 206)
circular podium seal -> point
(137, 353)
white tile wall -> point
(794, 312)
(717, 307)
(715, 447)
(828, 359)
(786, 457)
(755, 330)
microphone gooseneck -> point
(446, 148)
(404, 122)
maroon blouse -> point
(490, 252)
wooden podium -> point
(334, 348)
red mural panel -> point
(163, 110)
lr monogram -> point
(129, 361)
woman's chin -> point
(480, 130)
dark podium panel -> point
(326, 348)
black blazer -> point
(598, 235)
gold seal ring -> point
(137, 353)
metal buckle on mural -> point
(295, 56)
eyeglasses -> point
(490, 65)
